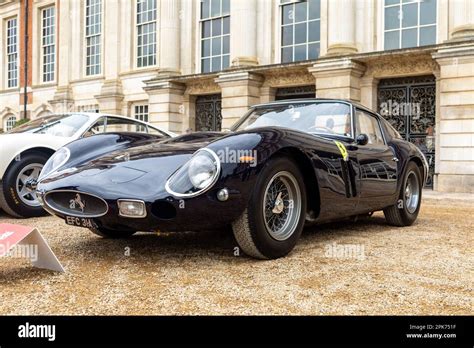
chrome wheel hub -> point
(412, 193)
(282, 205)
(26, 184)
(279, 205)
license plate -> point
(80, 222)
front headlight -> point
(196, 176)
(57, 160)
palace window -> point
(409, 23)
(141, 114)
(48, 43)
(93, 36)
(10, 123)
(300, 30)
(215, 35)
(12, 53)
(146, 33)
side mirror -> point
(362, 139)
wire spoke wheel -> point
(282, 205)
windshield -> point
(330, 118)
(56, 125)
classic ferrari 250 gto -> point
(282, 165)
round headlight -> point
(202, 169)
(196, 176)
(57, 160)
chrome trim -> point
(194, 194)
(131, 200)
(75, 215)
(426, 165)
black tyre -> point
(405, 211)
(112, 234)
(16, 197)
(272, 223)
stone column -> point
(338, 78)
(341, 27)
(63, 100)
(243, 26)
(368, 92)
(111, 95)
(240, 90)
(169, 41)
(267, 94)
(165, 104)
(456, 119)
(463, 19)
(189, 115)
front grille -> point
(75, 203)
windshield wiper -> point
(47, 125)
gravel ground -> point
(422, 269)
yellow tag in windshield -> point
(343, 150)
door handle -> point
(395, 159)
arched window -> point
(10, 123)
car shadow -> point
(209, 244)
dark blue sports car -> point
(282, 165)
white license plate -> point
(80, 222)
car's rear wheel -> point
(113, 234)
(17, 191)
(273, 221)
(405, 211)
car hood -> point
(152, 162)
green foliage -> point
(21, 121)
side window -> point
(369, 125)
(97, 128)
(120, 125)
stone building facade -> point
(201, 64)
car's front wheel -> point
(405, 211)
(273, 221)
(17, 190)
(113, 234)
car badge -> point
(77, 203)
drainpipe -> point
(25, 90)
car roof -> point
(96, 115)
(312, 100)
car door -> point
(377, 161)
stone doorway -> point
(409, 104)
(209, 112)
